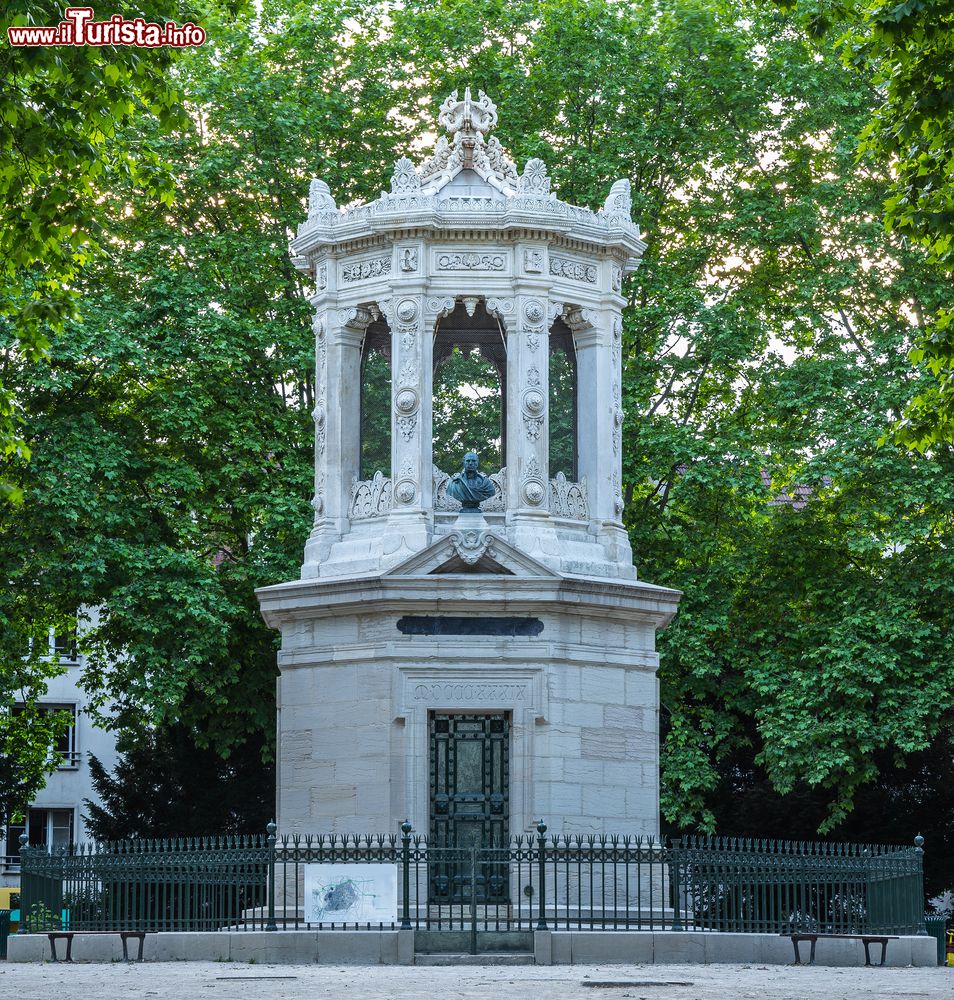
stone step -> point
(484, 958)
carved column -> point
(597, 336)
(339, 334)
(528, 435)
(410, 408)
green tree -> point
(60, 111)
(171, 430)
(766, 338)
(166, 784)
(907, 51)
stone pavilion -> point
(476, 670)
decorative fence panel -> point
(560, 882)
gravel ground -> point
(228, 981)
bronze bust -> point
(470, 486)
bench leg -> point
(866, 943)
(125, 936)
(53, 948)
(811, 960)
(884, 951)
(798, 958)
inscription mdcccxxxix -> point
(471, 692)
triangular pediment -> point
(471, 550)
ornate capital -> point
(357, 318)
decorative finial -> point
(320, 198)
(468, 116)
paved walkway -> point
(227, 981)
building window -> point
(64, 644)
(44, 828)
(64, 746)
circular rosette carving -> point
(534, 492)
(405, 491)
(533, 311)
(318, 414)
(406, 400)
(533, 402)
(406, 310)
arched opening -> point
(563, 402)
(376, 402)
(470, 389)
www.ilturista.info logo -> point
(79, 28)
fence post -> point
(271, 828)
(541, 860)
(24, 882)
(473, 899)
(406, 874)
(674, 852)
(919, 884)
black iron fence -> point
(536, 881)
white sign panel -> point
(343, 893)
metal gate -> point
(470, 807)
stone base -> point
(397, 948)
(715, 948)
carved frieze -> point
(461, 261)
(575, 270)
(376, 267)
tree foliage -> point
(61, 109)
(766, 340)
(165, 785)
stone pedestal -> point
(359, 680)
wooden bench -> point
(866, 939)
(124, 936)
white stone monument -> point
(470, 671)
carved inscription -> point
(488, 693)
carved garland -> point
(370, 497)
